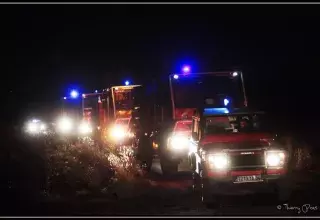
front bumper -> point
(225, 182)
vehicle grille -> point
(250, 160)
(239, 158)
(249, 154)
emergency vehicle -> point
(186, 92)
(232, 150)
(96, 112)
(123, 116)
(103, 109)
(125, 126)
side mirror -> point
(194, 136)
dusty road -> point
(156, 195)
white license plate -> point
(243, 179)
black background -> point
(47, 49)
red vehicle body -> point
(95, 110)
(121, 132)
(179, 140)
(102, 109)
(95, 103)
(230, 152)
(183, 127)
(125, 128)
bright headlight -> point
(179, 142)
(275, 158)
(32, 127)
(35, 126)
(118, 132)
(218, 161)
(65, 125)
(85, 128)
(43, 127)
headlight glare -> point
(218, 161)
(32, 127)
(65, 125)
(35, 127)
(43, 127)
(118, 132)
(85, 128)
(179, 142)
(275, 158)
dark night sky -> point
(46, 48)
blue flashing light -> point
(226, 102)
(74, 94)
(212, 111)
(127, 83)
(175, 76)
(186, 69)
(96, 91)
(64, 98)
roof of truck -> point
(125, 87)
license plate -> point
(243, 179)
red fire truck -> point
(100, 109)
(187, 90)
(125, 127)
(124, 115)
(96, 112)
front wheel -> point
(208, 193)
(146, 164)
(144, 153)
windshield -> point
(183, 126)
(191, 91)
(123, 99)
(90, 102)
(234, 124)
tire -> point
(144, 153)
(193, 163)
(146, 165)
(189, 162)
(168, 167)
(208, 194)
(196, 182)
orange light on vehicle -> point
(124, 113)
(155, 145)
(118, 132)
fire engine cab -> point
(187, 90)
(232, 150)
(176, 147)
